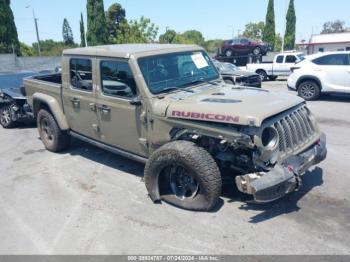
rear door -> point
(335, 71)
(120, 118)
(79, 97)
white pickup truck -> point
(280, 66)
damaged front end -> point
(284, 178)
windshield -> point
(178, 70)
(301, 57)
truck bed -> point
(44, 84)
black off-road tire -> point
(309, 90)
(55, 140)
(5, 117)
(198, 162)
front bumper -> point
(284, 178)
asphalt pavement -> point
(89, 201)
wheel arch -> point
(261, 70)
(42, 101)
(309, 78)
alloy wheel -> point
(183, 185)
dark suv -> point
(243, 46)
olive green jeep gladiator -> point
(166, 106)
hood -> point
(238, 73)
(226, 104)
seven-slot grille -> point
(295, 130)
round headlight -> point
(269, 138)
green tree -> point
(190, 37)
(27, 50)
(212, 45)
(8, 31)
(82, 31)
(269, 30)
(336, 26)
(168, 37)
(289, 37)
(143, 30)
(115, 15)
(97, 31)
(254, 30)
(67, 33)
(52, 48)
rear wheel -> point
(5, 117)
(54, 139)
(309, 90)
(187, 176)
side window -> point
(291, 59)
(81, 74)
(244, 41)
(321, 50)
(348, 48)
(117, 79)
(334, 60)
(235, 41)
(279, 59)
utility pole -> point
(37, 30)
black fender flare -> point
(309, 77)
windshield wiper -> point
(200, 81)
(175, 89)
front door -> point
(79, 97)
(347, 75)
(120, 118)
(290, 61)
(334, 68)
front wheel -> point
(187, 176)
(309, 90)
(6, 118)
(54, 139)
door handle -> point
(75, 101)
(105, 109)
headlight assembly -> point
(269, 138)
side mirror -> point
(136, 101)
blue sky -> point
(215, 19)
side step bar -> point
(109, 148)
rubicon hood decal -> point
(205, 116)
